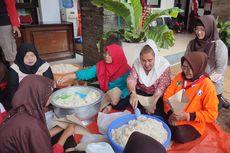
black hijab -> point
(19, 60)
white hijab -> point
(160, 65)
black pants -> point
(184, 133)
(123, 103)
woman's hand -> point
(16, 31)
(178, 117)
(66, 78)
(133, 100)
(150, 109)
(172, 119)
(70, 130)
(183, 116)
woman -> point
(207, 40)
(111, 72)
(198, 96)
(24, 129)
(140, 143)
(150, 76)
(3, 85)
(27, 62)
(9, 28)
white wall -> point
(165, 4)
(49, 11)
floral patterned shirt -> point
(159, 85)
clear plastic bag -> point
(99, 147)
(103, 120)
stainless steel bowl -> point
(85, 113)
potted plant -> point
(136, 30)
(224, 32)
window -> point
(201, 3)
(153, 3)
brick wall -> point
(95, 21)
(92, 28)
(221, 8)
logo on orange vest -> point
(200, 92)
(179, 83)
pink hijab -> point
(110, 72)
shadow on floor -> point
(223, 119)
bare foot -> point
(107, 109)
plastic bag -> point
(100, 147)
(93, 138)
(50, 119)
(88, 139)
(104, 120)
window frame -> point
(158, 5)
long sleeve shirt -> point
(90, 73)
(12, 12)
(202, 102)
(159, 86)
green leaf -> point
(137, 10)
(133, 37)
(131, 13)
(156, 14)
(162, 35)
(121, 8)
(224, 31)
(150, 19)
(173, 12)
(105, 37)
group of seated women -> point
(149, 76)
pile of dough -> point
(63, 68)
(74, 100)
(148, 126)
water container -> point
(67, 3)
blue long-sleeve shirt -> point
(89, 73)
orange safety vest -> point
(202, 100)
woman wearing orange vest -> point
(197, 96)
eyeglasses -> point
(185, 68)
(199, 29)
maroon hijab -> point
(35, 90)
(24, 130)
(141, 143)
(207, 44)
(197, 61)
(110, 72)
